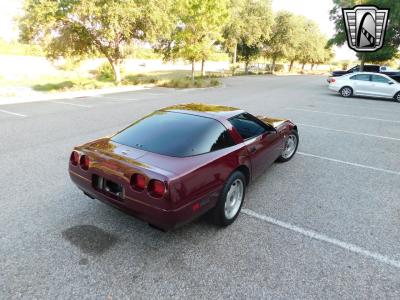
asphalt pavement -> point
(323, 226)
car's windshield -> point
(175, 134)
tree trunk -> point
(362, 62)
(234, 59)
(203, 71)
(312, 66)
(234, 55)
(246, 67)
(302, 67)
(273, 65)
(291, 65)
(192, 70)
(116, 66)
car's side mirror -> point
(390, 82)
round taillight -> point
(138, 181)
(84, 162)
(157, 188)
(74, 158)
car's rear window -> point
(175, 134)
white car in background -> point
(366, 84)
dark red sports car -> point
(179, 162)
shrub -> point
(105, 72)
(139, 79)
(181, 83)
(63, 85)
(71, 85)
(279, 67)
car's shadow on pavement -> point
(108, 228)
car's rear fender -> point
(201, 186)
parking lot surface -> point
(324, 225)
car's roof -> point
(206, 110)
(367, 73)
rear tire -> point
(230, 200)
(397, 97)
(346, 91)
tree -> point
(323, 53)
(284, 39)
(246, 53)
(310, 43)
(392, 37)
(299, 33)
(249, 26)
(199, 25)
(72, 28)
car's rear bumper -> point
(334, 88)
(158, 217)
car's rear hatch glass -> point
(173, 134)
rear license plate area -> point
(108, 186)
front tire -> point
(291, 145)
(397, 97)
(346, 91)
(230, 200)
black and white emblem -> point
(365, 27)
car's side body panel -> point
(369, 88)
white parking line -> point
(117, 99)
(349, 163)
(344, 115)
(351, 132)
(323, 238)
(73, 104)
(12, 113)
(358, 106)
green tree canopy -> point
(199, 26)
(76, 28)
(285, 37)
(249, 26)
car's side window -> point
(247, 126)
(381, 79)
(224, 141)
(361, 77)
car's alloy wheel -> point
(290, 148)
(230, 200)
(234, 199)
(346, 91)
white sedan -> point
(366, 84)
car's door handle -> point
(253, 149)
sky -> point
(317, 10)
(9, 9)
